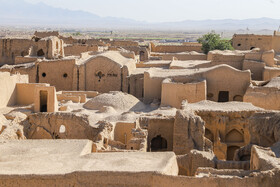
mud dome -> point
(117, 100)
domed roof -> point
(118, 100)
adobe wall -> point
(8, 82)
(264, 97)
(26, 93)
(176, 48)
(255, 67)
(59, 73)
(24, 60)
(124, 43)
(226, 79)
(138, 179)
(136, 85)
(173, 93)
(249, 41)
(234, 60)
(43, 34)
(10, 48)
(102, 75)
(270, 73)
(276, 43)
(182, 56)
(52, 104)
(123, 132)
(30, 70)
(161, 127)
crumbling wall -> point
(189, 131)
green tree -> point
(212, 41)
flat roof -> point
(51, 157)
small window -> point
(44, 74)
(238, 45)
(252, 48)
(65, 75)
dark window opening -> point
(44, 74)
(65, 75)
(252, 48)
(158, 144)
(223, 96)
(238, 45)
(142, 56)
(43, 101)
(40, 53)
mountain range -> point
(21, 13)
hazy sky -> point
(173, 10)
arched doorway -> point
(230, 152)
(158, 144)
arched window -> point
(234, 136)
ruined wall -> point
(264, 128)
(27, 69)
(48, 126)
(227, 131)
(173, 93)
(43, 34)
(10, 48)
(8, 96)
(189, 133)
(59, 73)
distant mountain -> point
(21, 13)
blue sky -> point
(173, 10)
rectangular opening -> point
(43, 101)
(223, 96)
